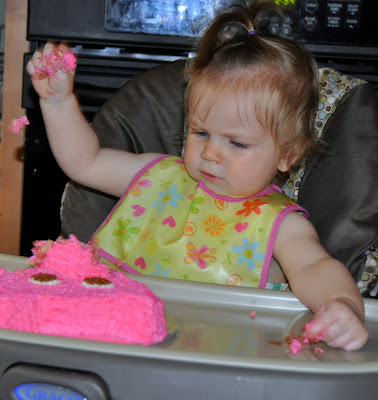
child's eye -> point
(238, 144)
(197, 132)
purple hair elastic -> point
(251, 32)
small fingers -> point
(337, 337)
(48, 48)
(34, 64)
(62, 49)
(349, 340)
(356, 344)
(43, 63)
(341, 327)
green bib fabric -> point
(168, 225)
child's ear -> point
(288, 160)
(285, 162)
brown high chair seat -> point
(337, 186)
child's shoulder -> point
(297, 243)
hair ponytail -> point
(233, 25)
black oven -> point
(117, 39)
(171, 24)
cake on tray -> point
(69, 292)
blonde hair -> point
(236, 54)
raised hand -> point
(52, 72)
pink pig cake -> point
(69, 292)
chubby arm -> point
(322, 283)
(74, 143)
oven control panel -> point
(344, 22)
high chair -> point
(337, 186)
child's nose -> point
(212, 152)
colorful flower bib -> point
(168, 225)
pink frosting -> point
(68, 258)
(55, 61)
(295, 346)
(123, 310)
(19, 123)
(296, 343)
(68, 62)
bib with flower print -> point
(168, 225)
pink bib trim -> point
(266, 191)
(142, 171)
(272, 240)
(118, 262)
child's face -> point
(227, 149)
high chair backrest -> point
(337, 186)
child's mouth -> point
(209, 177)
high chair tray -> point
(217, 352)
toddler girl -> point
(216, 215)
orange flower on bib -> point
(214, 226)
(251, 206)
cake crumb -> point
(19, 123)
(319, 350)
(295, 346)
(296, 343)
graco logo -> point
(46, 391)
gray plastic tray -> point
(217, 352)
